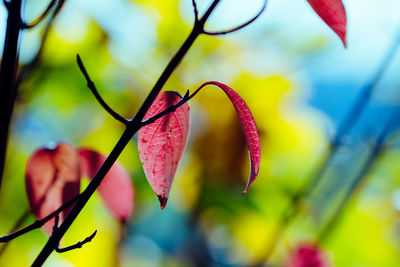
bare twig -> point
(41, 17)
(77, 245)
(27, 69)
(38, 223)
(195, 10)
(240, 26)
(96, 94)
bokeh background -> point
(300, 83)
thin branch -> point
(240, 26)
(77, 245)
(195, 10)
(96, 94)
(27, 69)
(40, 18)
(38, 223)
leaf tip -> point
(163, 201)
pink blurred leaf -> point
(162, 142)
(333, 13)
(52, 178)
(116, 189)
(306, 255)
(249, 129)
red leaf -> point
(116, 189)
(333, 13)
(249, 129)
(161, 143)
(52, 178)
(307, 255)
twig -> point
(40, 18)
(77, 245)
(96, 94)
(27, 69)
(37, 223)
(195, 10)
(240, 26)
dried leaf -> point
(333, 13)
(52, 178)
(161, 143)
(116, 189)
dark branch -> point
(195, 10)
(240, 26)
(6, 4)
(96, 94)
(77, 245)
(27, 69)
(37, 223)
(132, 127)
(41, 17)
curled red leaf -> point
(52, 178)
(248, 126)
(333, 13)
(116, 189)
(161, 143)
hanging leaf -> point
(248, 126)
(161, 143)
(52, 178)
(333, 13)
(116, 189)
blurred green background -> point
(297, 79)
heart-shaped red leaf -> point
(162, 142)
(248, 126)
(333, 13)
(116, 189)
(52, 178)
